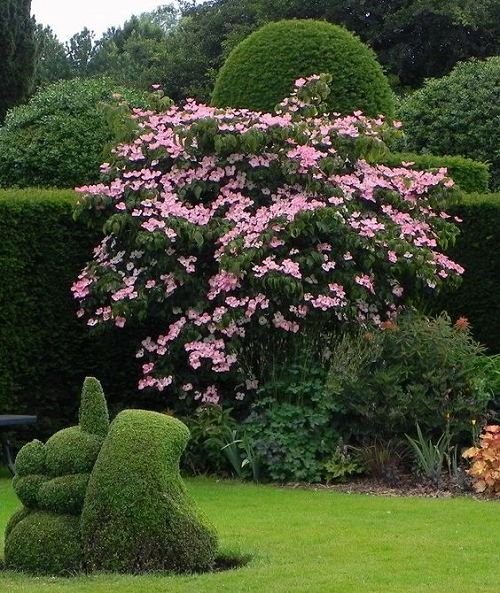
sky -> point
(67, 17)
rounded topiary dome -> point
(261, 70)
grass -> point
(317, 542)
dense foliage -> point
(260, 71)
(413, 39)
(138, 515)
(458, 114)
(234, 226)
(45, 353)
(58, 138)
(17, 53)
(416, 369)
(478, 297)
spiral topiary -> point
(261, 70)
(51, 482)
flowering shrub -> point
(230, 225)
(485, 468)
(415, 369)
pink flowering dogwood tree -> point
(230, 225)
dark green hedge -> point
(45, 351)
(471, 176)
(478, 297)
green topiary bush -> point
(458, 114)
(132, 514)
(137, 515)
(45, 543)
(58, 138)
(47, 538)
(261, 70)
(72, 451)
(64, 494)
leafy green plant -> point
(240, 453)
(431, 457)
(211, 427)
(343, 463)
(58, 138)
(453, 115)
(292, 440)
(382, 459)
(414, 369)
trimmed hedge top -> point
(261, 70)
(471, 176)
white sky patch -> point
(67, 17)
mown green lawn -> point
(318, 541)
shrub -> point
(469, 175)
(476, 250)
(58, 138)
(485, 460)
(45, 543)
(417, 369)
(255, 226)
(45, 351)
(260, 71)
(47, 540)
(138, 516)
(458, 115)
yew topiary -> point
(138, 516)
(129, 513)
(45, 537)
(260, 71)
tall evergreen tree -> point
(17, 52)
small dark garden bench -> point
(6, 421)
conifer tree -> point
(17, 52)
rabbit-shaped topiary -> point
(100, 497)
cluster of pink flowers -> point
(233, 221)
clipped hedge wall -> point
(478, 297)
(45, 351)
(471, 176)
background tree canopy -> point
(184, 48)
(17, 52)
